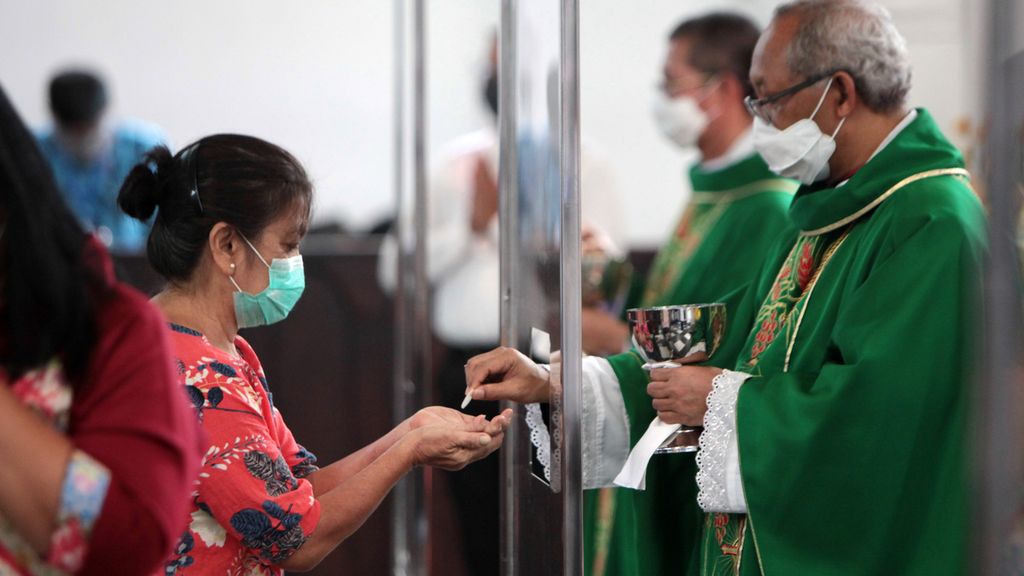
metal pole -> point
(400, 496)
(508, 226)
(412, 337)
(571, 297)
(997, 410)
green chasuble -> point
(734, 216)
(852, 432)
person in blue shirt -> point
(91, 156)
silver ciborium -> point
(670, 336)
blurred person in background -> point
(91, 154)
(98, 443)
(737, 209)
(231, 212)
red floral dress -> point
(252, 507)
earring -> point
(232, 267)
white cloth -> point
(463, 267)
(634, 471)
(720, 486)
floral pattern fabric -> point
(47, 392)
(252, 507)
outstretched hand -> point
(451, 443)
(440, 415)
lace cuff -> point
(604, 427)
(85, 488)
(718, 468)
(540, 437)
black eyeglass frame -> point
(755, 105)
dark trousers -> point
(475, 487)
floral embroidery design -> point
(723, 545)
(774, 316)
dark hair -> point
(722, 42)
(49, 291)
(77, 98)
(241, 180)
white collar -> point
(740, 149)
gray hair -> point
(852, 35)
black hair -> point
(241, 180)
(721, 42)
(77, 98)
(49, 291)
(490, 92)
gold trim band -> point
(770, 185)
(885, 195)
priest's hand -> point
(603, 334)
(506, 374)
(680, 395)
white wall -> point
(316, 77)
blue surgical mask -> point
(287, 281)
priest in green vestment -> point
(735, 213)
(837, 443)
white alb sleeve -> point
(605, 426)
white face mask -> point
(801, 151)
(680, 119)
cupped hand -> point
(506, 374)
(451, 446)
(440, 415)
(680, 395)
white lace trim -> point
(540, 437)
(715, 444)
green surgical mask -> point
(287, 281)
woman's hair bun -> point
(143, 188)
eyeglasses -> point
(756, 106)
(673, 87)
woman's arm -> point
(345, 508)
(128, 458)
(327, 478)
(35, 457)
